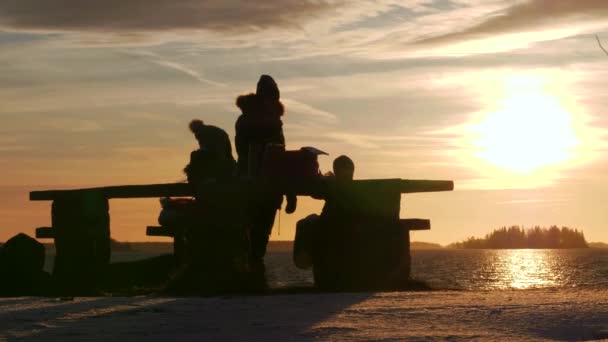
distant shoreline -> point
(286, 246)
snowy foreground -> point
(454, 315)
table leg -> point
(82, 240)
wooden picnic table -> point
(81, 221)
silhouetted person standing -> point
(257, 127)
(260, 122)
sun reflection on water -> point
(527, 268)
(493, 269)
(519, 269)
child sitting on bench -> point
(307, 228)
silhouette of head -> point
(267, 88)
(211, 139)
(344, 168)
(198, 128)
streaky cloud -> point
(157, 15)
(188, 71)
(524, 16)
(303, 108)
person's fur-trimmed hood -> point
(251, 104)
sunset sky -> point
(506, 98)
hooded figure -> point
(260, 122)
(259, 125)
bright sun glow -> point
(530, 131)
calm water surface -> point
(482, 269)
(512, 269)
(465, 269)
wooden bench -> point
(81, 221)
(415, 224)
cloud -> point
(525, 16)
(308, 110)
(376, 141)
(157, 15)
(535, 201)
(159, 60)
(188, 71)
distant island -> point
(516, 237)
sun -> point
(528, 131)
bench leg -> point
(179, 247)
(405, 266)
(373, 256)
(82, 240)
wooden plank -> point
(154, 190)
(159, 231)
(302, 187)
(415, 224)
(123, 191)
(419, 185)
(45, 233)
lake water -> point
(482, 269)
(512, 269)
(464, 269)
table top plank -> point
(302, 187)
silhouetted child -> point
(212, 161)
(207, 229)
(308, 229)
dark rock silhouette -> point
(21, 267)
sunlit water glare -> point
(463, 269)
(482, 269)
(512, 269)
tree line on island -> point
(515, 237)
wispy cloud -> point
(311, 28)
(308, 110)
(526, 15)
(188, 71)
(164, 62)
(374, 141)
(157, 15)
(534, 201)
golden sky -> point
(506, 98)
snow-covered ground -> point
(452, 315)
